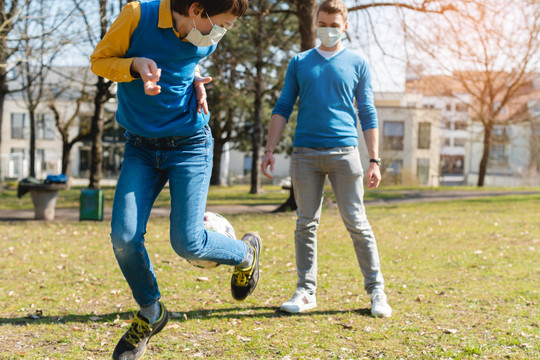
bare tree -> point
(102, 91)
(306, 11)
(40, 43)
(9, 15)
(491, 52)
(75, 88)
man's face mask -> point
(329, 36)
(196, 38)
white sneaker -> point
(379, 304)
(300, 301)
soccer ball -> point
(214, 222)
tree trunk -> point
(66, 151)
(32, 169)
(307, 22)
(257, 136)
(290, 204)
(96, 134)
(3, 91)
(96, 129)
(258, 128)
(485, 155)
(215, 179)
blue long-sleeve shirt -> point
(145, 29)
(327, 89)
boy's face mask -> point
(329, 36)
(198, 39)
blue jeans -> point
(309, 167)
(186, 162)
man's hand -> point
(149, 73)
(373, 176)
(200, 91)
(268, 160)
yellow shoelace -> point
(139, 328)
(243, 276)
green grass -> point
(229, 195)
(461, 276)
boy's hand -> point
(200, 91)
(150, 74)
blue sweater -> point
(173, 112)
(327, 89)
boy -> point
(328, 79)
(152, 51)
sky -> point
(375, 34)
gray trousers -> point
(309, 167)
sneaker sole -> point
(291, 310)
(382, 315)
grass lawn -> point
(462, 277)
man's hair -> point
(334, 7)
(212, 7)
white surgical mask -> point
(329, 36)
(196, 38)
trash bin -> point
(91, 204)
(44, 196)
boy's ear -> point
(195, 10)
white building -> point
(15, 131)
(14, 149)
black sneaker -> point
(132, 345)
(244, 281)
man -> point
(328, 80)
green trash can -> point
(91, 204)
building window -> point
(459, 142)
(18, 126)
(462, 107)
(45, 127)
(452, 165)
(393, 135)
(392, 172)
(17, 162)
(460, 125)
(424, 135)
(497, 153)
(447, 142)
(448, 107)
(499, 133)
(84, 160)
(395, 167)
(422, 170)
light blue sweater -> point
(327, 89)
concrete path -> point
(402, 197)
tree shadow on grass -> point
(267, 312)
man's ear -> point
(195, 10)
(346, 26)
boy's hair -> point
(334, 7)
(212, 7)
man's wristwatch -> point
(376, 161)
